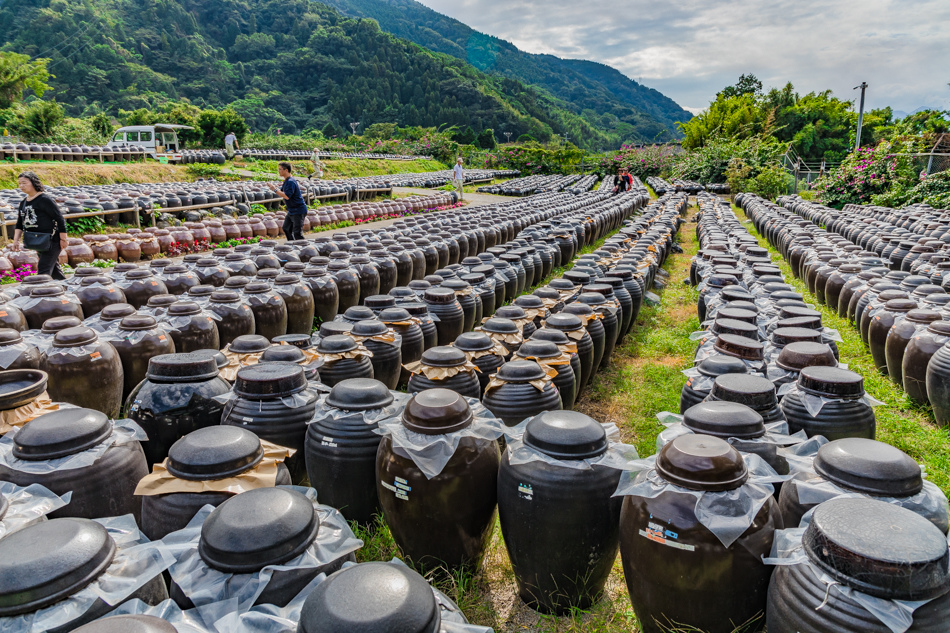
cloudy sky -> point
(690, 49)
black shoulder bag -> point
(34, 240)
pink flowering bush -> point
(870, 171)
(642, 162)
(17, 274)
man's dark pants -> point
(293, 227)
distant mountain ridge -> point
(597, 91)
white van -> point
(160, 140)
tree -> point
(331, 130)
(465, 137)
(40, 118)
(102, 124)
(747, 85)
(486, 139)
(527, 138)
(18, 73)
(215, 125)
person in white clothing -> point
(317, 165)
(458, 176)
(230, 143)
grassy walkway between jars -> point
(643, 378)
(900, 422)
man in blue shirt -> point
(296, 207)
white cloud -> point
(691, 49)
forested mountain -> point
(601, 93)
(294, 64)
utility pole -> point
(857, 140)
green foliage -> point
(19, 73)
(769, 182)
(83, 226)
(710, 162)
(464, 136)
(486, 139)
(258, 209)
(527, 138)
(531, 159)
(332, 130)
(933, 190)
(202, 170)
(40, 118)
(642, 162)
(869, 172)
(747, 85)
(216, 124)
(102, 125)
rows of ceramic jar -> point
(77, 153)
(429, 457)
(530, 185)
(883, 270)
(302, 154)
(106, 464)
(834, 545)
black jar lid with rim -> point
(566, 435)
(369, 327)
(474, 342)
(283, 354)
(831, 382)
(61, 433)
(55, 324)
(335, 328)
(183, 308)
(47, 562)
(724, 325)
(75, 336)
(878, 548)
(336, 344)
(739, 346)
(372, 597)
(784, 335)
(380, 302)
(538, 348)
(161, 301)
(444, 356)
(521, 371)
(702, 462)
(269, 380)
(719, 364)
(21, 386)
(797, 356)
(869, 466)
(214, 452)
(755, 392)
(732, 313)
(551, 335)
(249, 344)
(498, 325)
(358, 313)
(178, 368)
(725, 420)
(116, 312)
(301, 341)
(437, 412)
(257, 528)
(359, 394)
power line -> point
(61, 46)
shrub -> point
(869, 172)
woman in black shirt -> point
(39, 213)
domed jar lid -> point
(879, 549)
(300, 341)
(521, 371)
(51, 326)
(249, 344)
(269, 380)
(9, 336)
(498, 325)
(74, 337)
(176, 368)
(437, 412)
(137, 322)
(739, 346)
(21, 386)
(336, 344)
(116, 312)
(358, 313)
(752, 391)
(359, 394)
(444, 356)
(568, 435)
(47, 562)
(370, 327)
(128, 624)
(831, 382)
(265, 526)
(474, 342)
(61, 433)
(869, 466)
(372, 598)
(717, 365)
(725, 420)
(214, 452)
(702, 462)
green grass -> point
(900, 422)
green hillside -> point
(292, 64)
(601, 94)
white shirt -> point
(229, 139)
(457, 172)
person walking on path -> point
(39, 217)
(296, 207)
(317, 165)
(230, 144)
(458, 177)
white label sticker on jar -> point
(658, 534)
(526, 492)
(401, 488)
